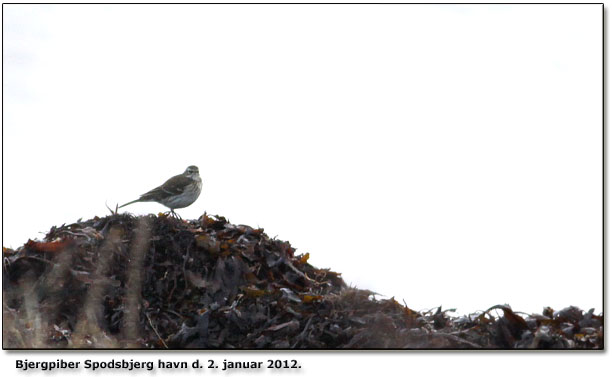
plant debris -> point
(159, 282)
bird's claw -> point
(174, 214)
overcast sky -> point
(444, 155)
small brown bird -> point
(179, 191)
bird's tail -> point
(128, 203)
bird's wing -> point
(174, 186)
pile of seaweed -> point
(160, 282)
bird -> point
(179, 191)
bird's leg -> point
(176, 215)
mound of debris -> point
(159, 282)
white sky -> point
(444, 155)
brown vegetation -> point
(159, 282)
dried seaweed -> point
(158, 282)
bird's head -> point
(192, 171)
